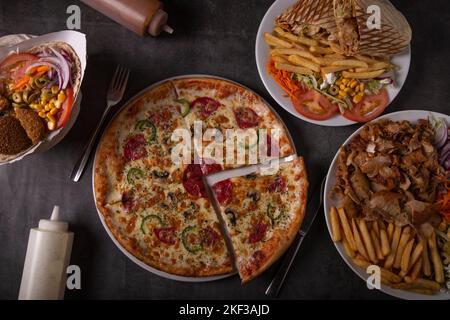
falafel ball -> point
(13, 138)
(32, 123)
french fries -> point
(406, 256)
(304, 63)
(401, 246)
(436, 259)
(377, 245)
(349, 251)
(385, 248)
(363, 75)
(319, 55)
(358, 241)
(390, 230)
(295, 51)
(291, 68)
(346, 227)
(367, 240)
(394, 244)
(425, 258)
(399, 257)
(335, 226)
(277, 42)
(321, 50)
(333, 69)
(350, 62)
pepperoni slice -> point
(258, 232)
(135, 147)
(128, 201)
(223, 191)
(209, 236)
(192, 181)
(206, 106)
(279, 185)
(246, 117)
(166, 235)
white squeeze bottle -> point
(48, 255)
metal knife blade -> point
(314, 205)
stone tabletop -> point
(211, 37)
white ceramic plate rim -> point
(262, 54)
(409, 115)
(116, 242)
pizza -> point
(158, 209)
(263, 215)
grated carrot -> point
(284, 79)
(22, 82)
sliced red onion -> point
(447, 163)
(445, 152)
(38, 64)
(65, 69)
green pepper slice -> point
(192, 248)
(134, 174)
(147, 124)
(185, 107)
(146, 219)
(274, 212)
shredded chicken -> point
(390, 171)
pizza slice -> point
(171, 231)
(263, 214)
(222, 105)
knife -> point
(314, 206)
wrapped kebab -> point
(345, 23)
(37, 91)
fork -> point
(113, 97)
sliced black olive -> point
(172, 197)
(164, 206)
(189, 213)
(231, 216)
(160, 174)
(254, 195)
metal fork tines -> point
(115, 93)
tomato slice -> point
(369, 108)
(313, 105)
(17, 64)
(66, 108)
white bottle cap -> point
(53, 224)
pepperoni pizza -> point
(158, 210)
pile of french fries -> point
(307, 56)
(406, 259)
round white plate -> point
(262, 56)
(14, 39)
(412, 116)
(124, 251)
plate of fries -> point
(410, 265)
(322, 59)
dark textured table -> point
(211, 37)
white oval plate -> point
(262, 56)
(124, 251)
(412, 116)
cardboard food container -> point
(23, 43)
